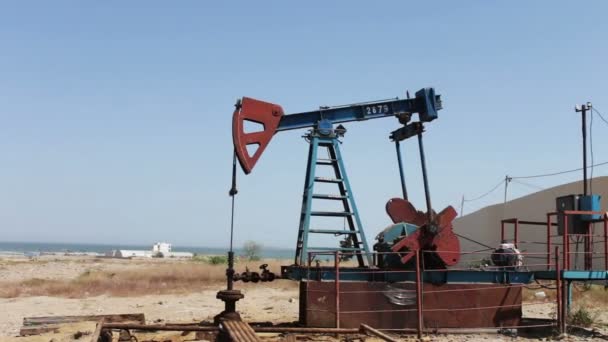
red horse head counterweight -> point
(264, 113)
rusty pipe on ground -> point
(178, 327)
(377, 333)
(160, 327)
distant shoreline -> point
(22, 248)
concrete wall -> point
(124, 253)
(484, 224)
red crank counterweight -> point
(267, 115)
(442, 244)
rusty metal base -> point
(229, 297)
(368, 303)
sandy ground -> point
(262, 303)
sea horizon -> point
(22, 247)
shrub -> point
(251, 250)
(211, 259)
(199, 258)
(581, 317)
(217, 260)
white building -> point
(183, 255)
(162, 247)
(126, 253)
(159, 249)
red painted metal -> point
(588, 240)
(265, 113)
(566, 242)
(447, 246)
(563, 304)
(549, 242)
(337, 281)
(558, 287)
(516, 232)
(566, 250)
(443, 242)
(401, 210)
(606, 241)
(419, 295)
(477, 305)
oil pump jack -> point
(412, 229)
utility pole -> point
(507, 180)
(462, 205)
(588, 240)
(583, 110)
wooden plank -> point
(115, 318)
(240, 331)
(37, 330)
(97, 332)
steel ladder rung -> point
(331, 213)
(333, 231)
(328, 180)
(325, 162)
(329, 197)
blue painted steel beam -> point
(439, 277)
(573, 275)
(585, 275)
(426, 103)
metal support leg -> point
(302, 244)
(337, 289)
(569, 298)
(427, 191)
(419, 295)
(355, 242)
(564, 305)
(558, 297)
(401, 175)
(350, 205)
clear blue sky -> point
(116, 116)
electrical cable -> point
(477, 242)
(599, 114)
(486, 193)
(558, 173)
(533, 176)
(528, 185)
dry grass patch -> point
(160, 278)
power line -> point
(486, 193)
(528, 177)
(516, 178)
(557, 173)
(471, 240)
(528, 185)
(599, 114)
